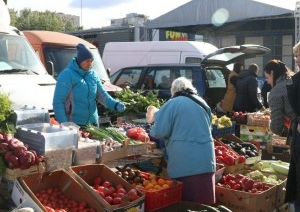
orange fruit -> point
(165, 186)
(160, 181)
(146, 182)
(169, 182)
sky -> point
(98, 13)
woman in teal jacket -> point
(78, 88)
(185, 127)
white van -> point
(118, 55)
(22, 75)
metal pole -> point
(81, 13)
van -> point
(22, 75)
(118, 55)
(56, 50)
(209, 77)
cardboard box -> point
(13, 174)
(284, 156)
(255, 133)
(26, 186)
(22, 198)
(85, 175)
(284, 208)
(114, 155)
(240, 201)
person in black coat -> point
(246, 91)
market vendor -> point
(183, 123)
(78, 88)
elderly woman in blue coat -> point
(184, 123)
(78, 88)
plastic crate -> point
(156, 200)
(30, 115)
(216, 132)
(43, 137)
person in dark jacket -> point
(292, 194)
(246, 99)
(78, 88)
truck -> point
(22, 75)
(117, 55)
(56, 50)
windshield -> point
(18, 57)
(61, 56)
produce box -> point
(58, 158)
(284, 208)
(13, 174)
(240, 201)
(216, 132)
(43, 137)
(113, 155)
(234, 168)
(26, 187)
(285, 156)
(255, 133)
(87, 152)
(219, 173)
(86, 174)
(258, 119)
(30, 115)
(137, 149)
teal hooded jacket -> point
(76, 93)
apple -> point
(97, 181)
(100, 188)
(117, 200)
(132, 194)
(106, 191)
(101, 194)
(109, 199)
(236, 114)
(119, 186)
(121, 190)
(106, 184)
(111, 190)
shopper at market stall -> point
(246, 99)
(183, 123)
(230, 94)
(78, 88)
(293, 179)
(279, 76)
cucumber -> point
(280, 168)
(210, 208)
(222, 208)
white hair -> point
(181, 84)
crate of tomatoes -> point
(225, 155)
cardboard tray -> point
(60, 178)
(86, 173)
(240, 201)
